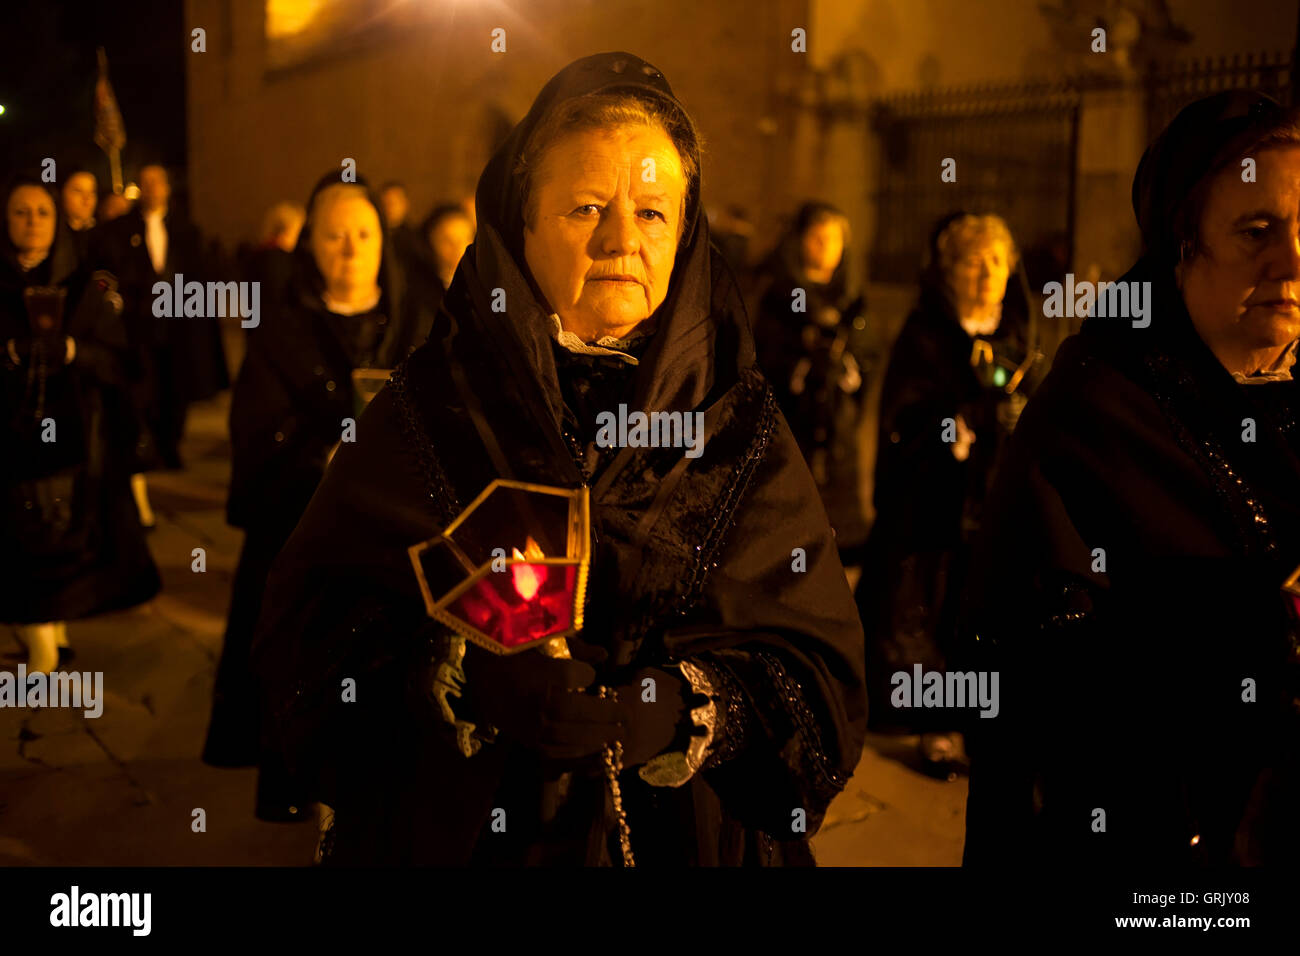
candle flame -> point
(527, 578)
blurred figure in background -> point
(955, 384)
(410, 246)
(345, 310)
(271, 262)
(807, 329)
(112, 206)
(448, 232)
(70, 542)
(79, 195)
(183, 358)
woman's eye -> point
(587, 210)
(1255, 232)
(654, 212)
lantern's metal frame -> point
(577, 554)
(1292, 585)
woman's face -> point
(607, 207)
(30, 214)
(823, 248)
(79, 197)
(1242, 287)
(346, 241)
(979, 276)
(448, 240)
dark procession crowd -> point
(1108, 529)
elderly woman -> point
(714, 585)
(1148, 514)
(70, 544)
(949, 400)
(343, 310)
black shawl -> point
(1130, 587)
(693, 559)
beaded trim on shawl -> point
(438, 486)
(1249, 520)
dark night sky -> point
(47, 81)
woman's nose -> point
(618, 234)
(1287, 265)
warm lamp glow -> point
(286, 18)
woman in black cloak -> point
(808, 335)
(344, 310)
(1145, 521)
(70, 542)
(947, 406)
(715, 576)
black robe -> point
(694, 559)
(928, 504)
(1129, 594)
(70, 540)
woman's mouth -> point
(1279, 305)
(619, 278)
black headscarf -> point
(1195, 146)
(1200, 140)
(689, 348)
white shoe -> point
(42, 646)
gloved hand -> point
(650, 727)
(539, 701)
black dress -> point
(291, 401)
(70, 540)
(692, 562)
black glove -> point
(539, 701)
(650, 727)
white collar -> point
(1279, 371)
(605, 345)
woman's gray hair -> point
(608, 111)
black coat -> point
(1124, 683)
(289, 403)
(928, 504)
(70, 538)
(181, 360)
(691, 562)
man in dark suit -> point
(182, 359)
